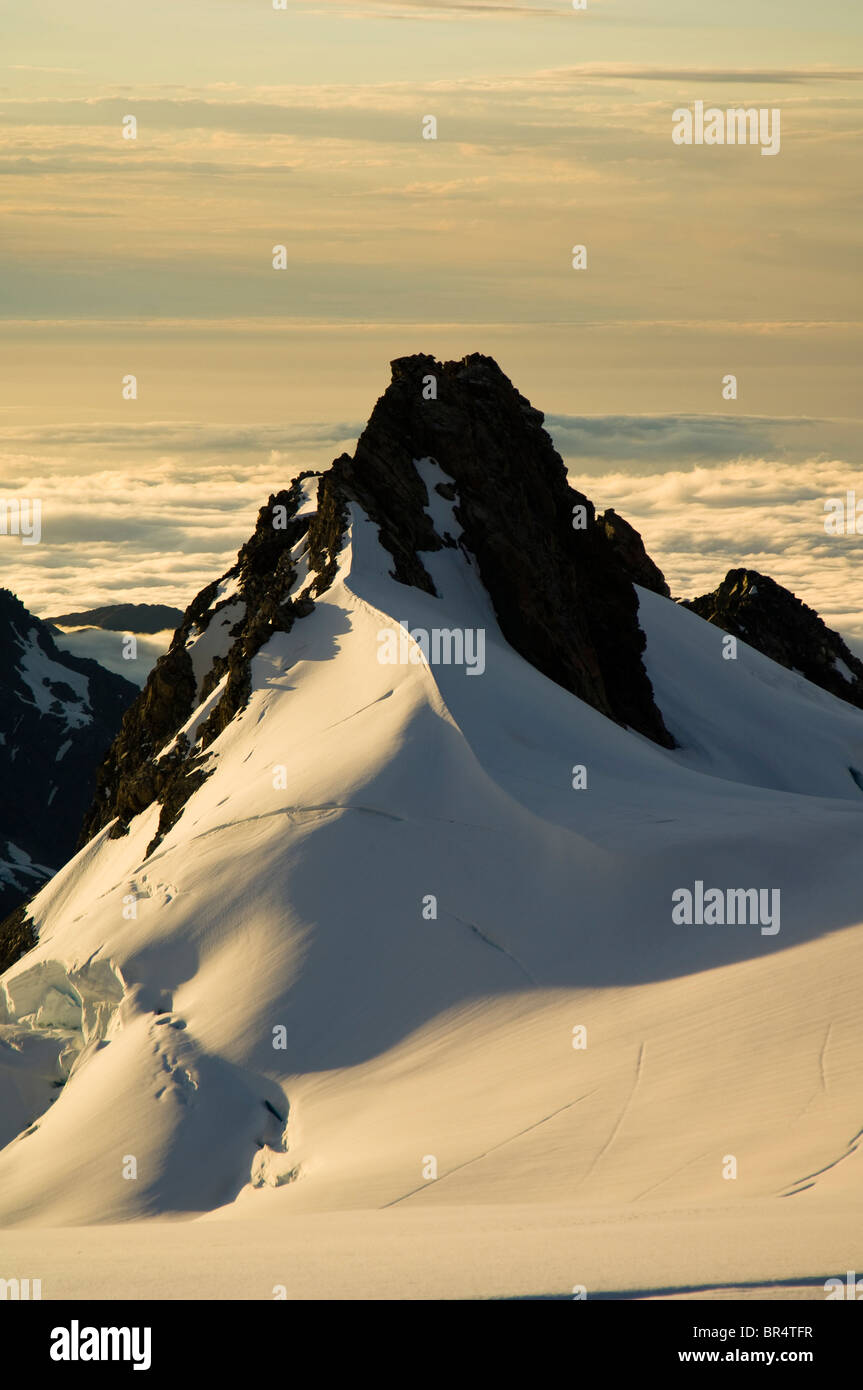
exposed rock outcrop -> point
(629, 549)
(562, 597)
(17, 937)
(759, 611)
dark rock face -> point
(123, 617)
(759, 611)
(629, 549)
(17, 937)
(129, 780)
(562, 597)
(58, 715)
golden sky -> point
(303, 127)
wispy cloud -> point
(442, 10)
(644, 441)
(188, 436)
(33, 67)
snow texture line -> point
(622, 1116)
(502, 1144)
(495, 945)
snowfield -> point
(396, 1011)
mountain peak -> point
(562, 597)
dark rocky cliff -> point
(562, 597)
(629, 549)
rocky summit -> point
(756, 609)
(562, 597)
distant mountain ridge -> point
(58, 716)
(123, 617)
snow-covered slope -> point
(354, 972)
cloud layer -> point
(152, 513)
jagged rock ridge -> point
(756, 609)
(252, 602)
